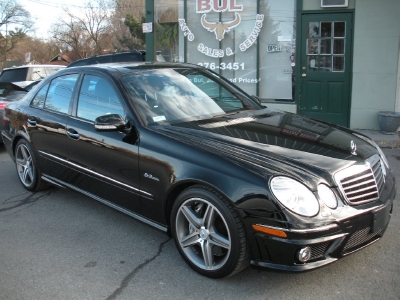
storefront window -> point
(167, 29)
(250, 43)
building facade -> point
(333, 60)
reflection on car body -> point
(8, 92)
(181, 148)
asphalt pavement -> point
(58, 244)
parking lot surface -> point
(58, 244)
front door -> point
(104, 164)
(326, 47)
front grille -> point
(361, 184)
(360, 238)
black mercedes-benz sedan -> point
(183, 149)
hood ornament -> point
(353, 147)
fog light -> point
(304, 254)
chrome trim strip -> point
(46, 178)
(108, 203)
(148, 195)
(82, 120)
(318, 229)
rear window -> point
(14, 75)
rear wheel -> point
(27, 168)
(208, 233)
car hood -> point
(277, 140)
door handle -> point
(73, 134)
(32, 122)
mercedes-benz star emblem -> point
(353, 148)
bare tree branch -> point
(12, 13)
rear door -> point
(46, 123)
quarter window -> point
(40, 97)
(97, 98)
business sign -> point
(274, 48)
(219, 29)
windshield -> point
(174, 95)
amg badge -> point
(147, 175)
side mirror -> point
(112, 122)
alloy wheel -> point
(203, 234)
(25, 166)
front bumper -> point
(328, 243)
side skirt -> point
(61, 183)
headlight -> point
(327, 196)
(295, 196)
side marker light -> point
(270, 231)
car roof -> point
(93, 57)
(113, 54)
(29, 66)
(128, 67)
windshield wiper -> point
(226, 114)
(232, 113)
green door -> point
(326, 47)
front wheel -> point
(208, 233)
(27, 167)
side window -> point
(38, 101)
(60, 93)
(97, 98)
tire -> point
(27, 167)
(208, 233)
